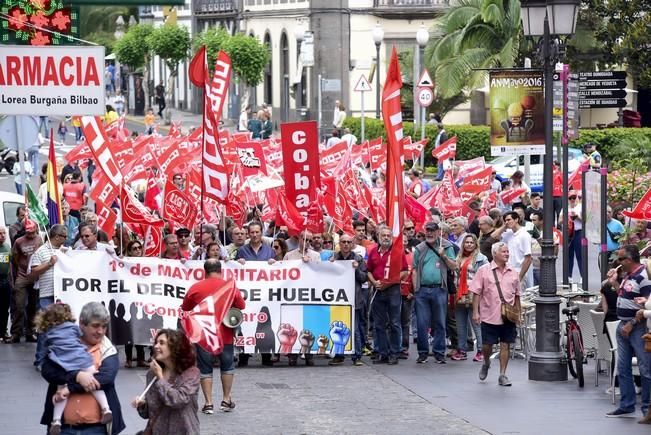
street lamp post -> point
(299, 34)
(422, 36)
(546, 18)
(378, 36)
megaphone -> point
(233, 318)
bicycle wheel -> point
(569, 350)
(577, 350)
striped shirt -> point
(633, 285)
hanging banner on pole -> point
(517, 112)
(592, 198)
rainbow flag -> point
(53, 196)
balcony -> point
(409, 8)
(215, 7)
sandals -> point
(227, 406)
(208, 409)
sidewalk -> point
(188, 120)
(408, 398)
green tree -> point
(248, 55)
(100, 19)
(133, 49)
(172, 44)
(472, 36)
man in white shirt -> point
(349, 138)
(518, 241)
(88, 236)
(243, 122)
(304, 252)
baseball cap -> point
(431, 226)
(183, 231)
(30, 226)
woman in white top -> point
(339, 115)
(17, 178)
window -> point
(268, 72)
(9, 209)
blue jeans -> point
(93, 430)
(431, 311)
(19, 187)
(386, 312)
(627, 347)
(439, 172)
(463, 315)
(43, 303)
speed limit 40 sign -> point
(425, 96)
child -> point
(150, 119)
(63, 346)
(62, 131)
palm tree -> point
(472, 36)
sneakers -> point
(483, 371)
(422, 359)
(367, 351)
(459, 355)
(439, 360)
(337, 361)
(504, 381)
(208, 409)
(358, 362)
(479, 357)
(392, 360)
(403, 354)
(227, 406)
(381, 360)
(620, 413)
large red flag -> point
(202, 325)
(215, 174)
(198, 68)
(392, 116)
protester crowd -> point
(457, 271)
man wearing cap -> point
(593, 155)
(432, 260)
(24, 295)
(183, 236)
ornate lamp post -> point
(378, 36)
(547, 18)
(422, 36)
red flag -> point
(509, 195)
(447, 150)
(215, 175)
(152, 192)
(574, 182)
(106, 218)
(153, 241)
(642, 209)
(80, 152)
(392, 117)
(416, 212)
(288, 215)
(197, 70)
(202, 325)
(101, 148)
(251, 157)
(235, 210)
(413, 149)
(301, 163)
(178, 207)
(134, 212)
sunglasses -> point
(276, 247)
(134, 247)
(327, 241)
(345, 242)
(409, 228)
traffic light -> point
(169, 15)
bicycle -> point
(574, 350)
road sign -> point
(603, 75)
(425, 96)
(602, 103)
(602, 93)
(425, 80)
(602, 84)
(362, 84)
(331, 85)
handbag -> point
(647, 342)
(510, 312)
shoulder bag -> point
(509, 312)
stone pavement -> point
(408, 398)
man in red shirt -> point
(387, 301)
(197, 293)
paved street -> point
(403, 399)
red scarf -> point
(463, 278)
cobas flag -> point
(392, 117)
(447, 150)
